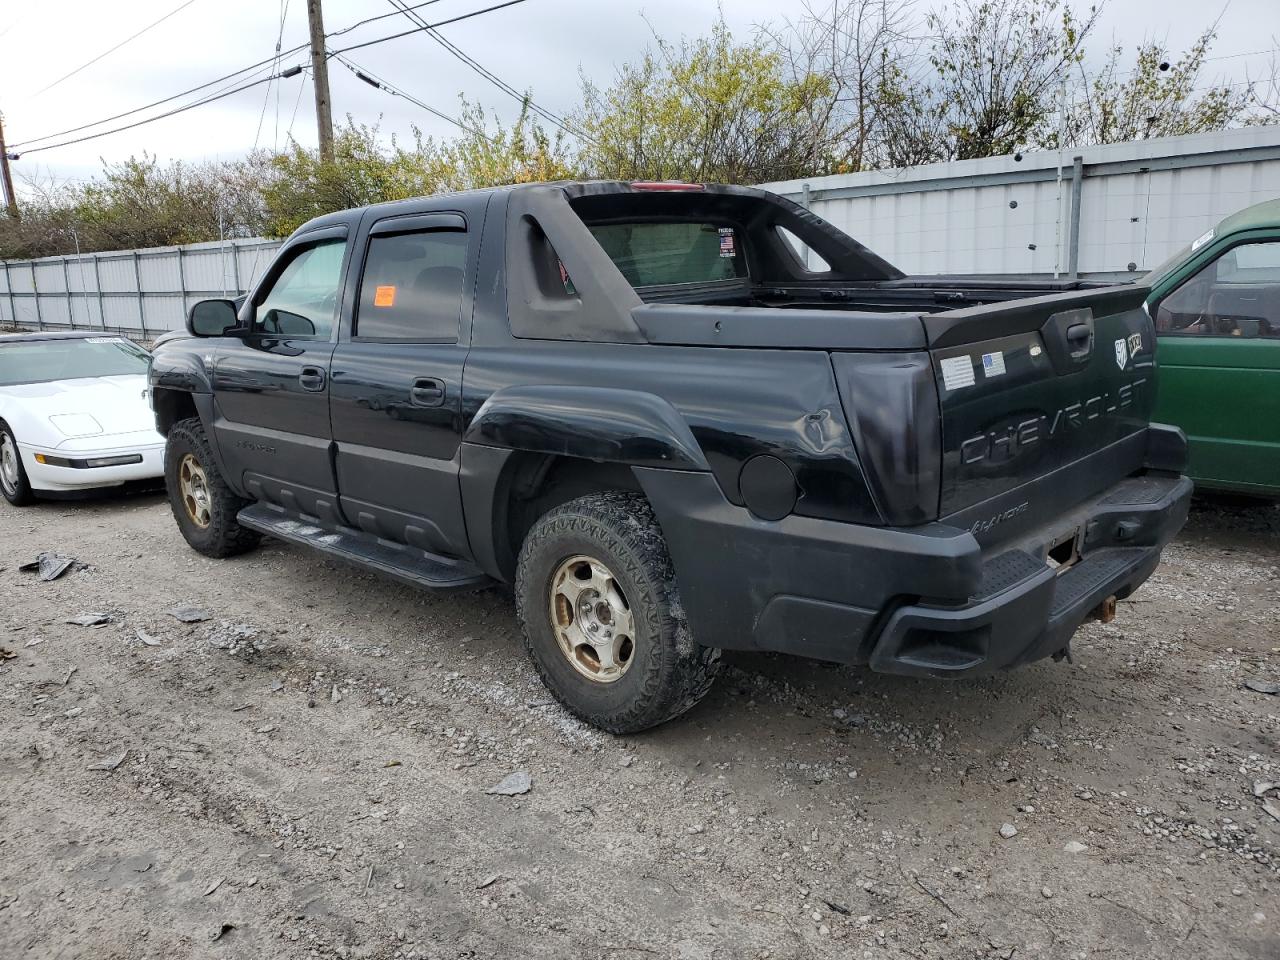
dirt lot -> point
(306, 773)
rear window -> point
(656, 253)
(38, 361)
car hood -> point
(118, 404)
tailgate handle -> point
(1080, 339)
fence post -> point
(1073, 235)
(8, 286)
(137, 282)
(97, 283)
(35, 295)
(235, 266)
(66, 283)
(182, 282)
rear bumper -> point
(922, 601)
(1025, 610)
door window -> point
(412, 287)
(303, 299)
(1235, 295)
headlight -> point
(76, 425)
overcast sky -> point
(538, 45)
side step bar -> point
(408, 564)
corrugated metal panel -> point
(159, 272)
(117, 273)
(103, 288)
(49, 277)
(1140, 203)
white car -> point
(74, 415)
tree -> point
(857, 46)
(1157, 97)
(994, 70)
(302, 186)
(710, 109)
(137, 203)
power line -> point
(169, 99)
(288, 134)
(122, 43)
(275, 65)
(381, 16)
(204, 86)
(375, 81)
(272, 59)
(438, 23)
(291, 72)
(489, 75)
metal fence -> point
(1098, 211)
(142, 292)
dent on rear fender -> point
(593, 423)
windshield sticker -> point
(1201, 240)
(727, 250)
(957, 372)
(384, 297)
(993, 364)
(103, 340)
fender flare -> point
(182, 370)
(603, 424)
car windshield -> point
(38, 361)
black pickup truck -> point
(680, 418)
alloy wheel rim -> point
(8, 464)
(592, 619)
(194, 486)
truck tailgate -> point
(1034, 390)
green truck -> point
(1216, 307)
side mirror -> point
(212, 318)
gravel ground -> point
(305, 773)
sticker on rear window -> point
(993, 364)
(957, 372)
(102, 340)
(384, 297)
(1201, 240)
(727, 249)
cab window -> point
(412, 287)
(1236, 294)
(303, 298)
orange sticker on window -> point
(384, 297)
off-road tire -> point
(669, 671)
(223, 536)
(20, 495)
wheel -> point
(596, 596)
(202, 503)
(13, 476)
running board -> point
(407, 564)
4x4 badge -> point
(1122, 353)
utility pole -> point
(320, 80)
(10, 200)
